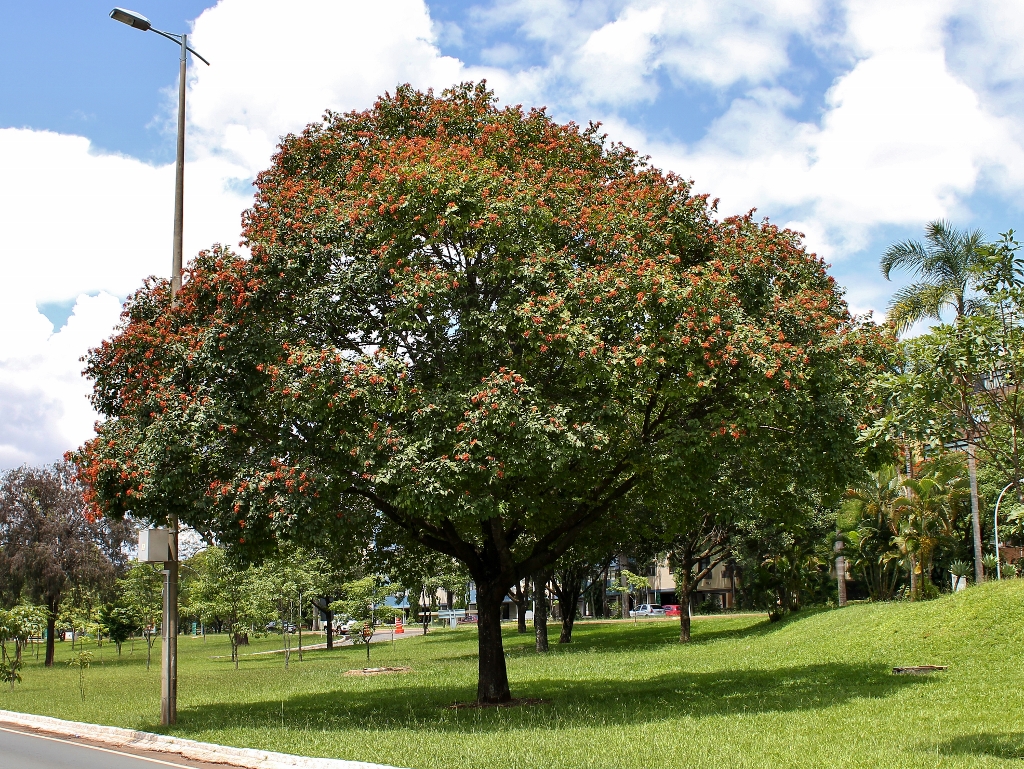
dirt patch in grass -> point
(377, 671)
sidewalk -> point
(140, 744)
(379, 636)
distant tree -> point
(227, 593)
(960, 382)
(784, 562)
(363, 600)
(288, 579)
(568, 580)
(944, 266)
(16, 625)
(140, 591)
(867, 526)
(50, 543)
(520, 596)
(119, 622)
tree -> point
(224, 592)
(959, 382)
(484, 327)
(50, 542)
(140, 591)
(867, 521)
(15, 626)
(364, 601)
(783, 564)
(285, 581)
(120, 622)
(567, 582)
(945, 267)
(633, 583)
(520, 595)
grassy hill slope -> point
(815, 690)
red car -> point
(671, 610)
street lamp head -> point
(131, 18)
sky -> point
(854, 122)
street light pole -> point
(169, 652)
(995, 521)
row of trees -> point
(949, 411)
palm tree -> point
(871, 531)
(943, 267)
(920, 515)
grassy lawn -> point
(816, 690)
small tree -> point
(233, 595)
(634, 584)
(140, 591)
(120, 623)
(82, 661)
(285, 581)
(14, 628)
(364, 601)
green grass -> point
(816, 690)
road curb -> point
(197, 751)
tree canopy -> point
(476, 329)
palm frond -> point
(910, 254)
(918, 301)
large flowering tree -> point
(472, 325)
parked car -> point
(671, 609)
(648, 610)
(348, 626)
(275, 627)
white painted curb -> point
(197, 751)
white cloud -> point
(43, 405)
(75, 220)
(612, 53)
(274, 71)
(901, 140)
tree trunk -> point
(492, 681)
(323, 606)
(51, 627)
(840, 572)
(540, 611)
(521, 590)
(684, 593)
(572, 597)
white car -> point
(648, 610)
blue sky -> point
(854, 121)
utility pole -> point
(169, 652)
(972, 471)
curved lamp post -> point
(999, 571)
(169, 652)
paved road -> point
(28, 750)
